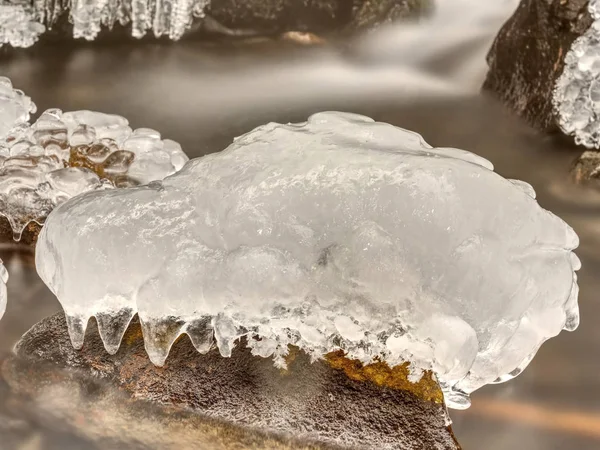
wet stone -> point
(237, 402)
(586, 168)
(529, 53)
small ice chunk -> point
(337, 233)
(15, 106)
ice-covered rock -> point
(17, 25)
(3, 294)
(337, 233)
(64, 154)
(577, 94)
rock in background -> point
(528, 56)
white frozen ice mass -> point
(17, 25)
(576, 97)
(336, 233)
(64, 154)
(3, 294)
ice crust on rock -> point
(18, 27)
(576, 97)
(64, 154)
(336, 233)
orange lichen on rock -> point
(383, 375)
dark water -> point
(205, 96)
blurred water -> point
(424, 77)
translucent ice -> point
(577, 94)
(15, 107)
(164, 17)
(64, 154)
(337, 233)
(3, 295)
(17, 25)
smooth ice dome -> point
(336, 233)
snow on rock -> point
(336, 233)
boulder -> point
(237, 402)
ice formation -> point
(336, 233)
(164, 17)
(64, 154)
(577, 94)
(17, 25)
(15, 107)
(3, 294)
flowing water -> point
(203, 95)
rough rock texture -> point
(586, 168)
(315, 403)
(528, 55)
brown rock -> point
(586, 168)
(28, 238)
(237, 402)
(528, 55)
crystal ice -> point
(15, 107)
(170, 18)
(18, 26)
(337, 233)
(64, 154)
(576, 98)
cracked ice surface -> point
(576, 97)
(18, 26)
(64, 154)
(337, 233)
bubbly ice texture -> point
(64, 154)
(3, 294)
(336, 233)
(164, 17)
(17, 25)
(576, 96)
